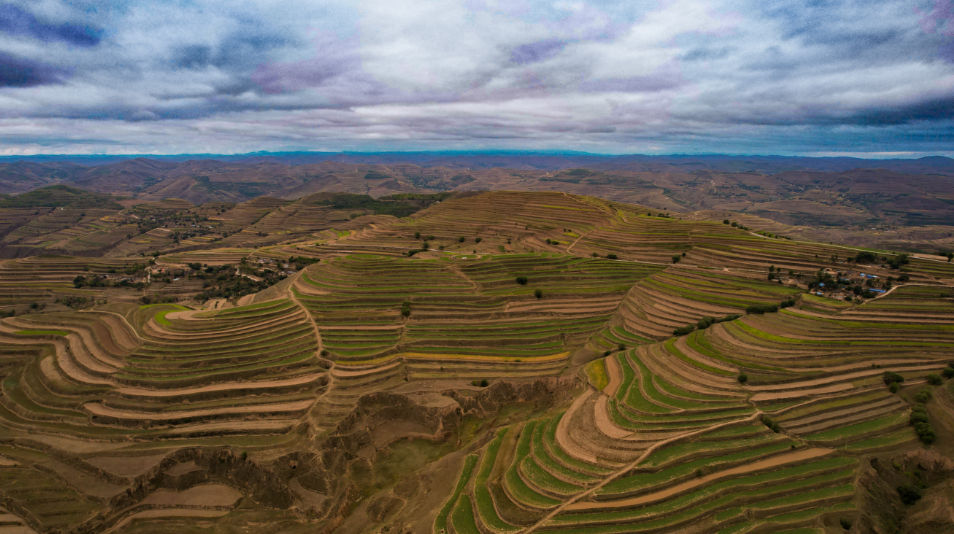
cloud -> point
(615, 76)
(15, 20)
(21, 72)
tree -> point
(478, 239)
(725, 221)
(742, 378)
(417, 235)
(891, 377)
(538, 293)
(522, 280)
(934, 379)
(406, 308)
(771, 268)
(950, 256)
(676, 258)
(621, 346)
(611, 256)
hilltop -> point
(894, 204)
(468, 362)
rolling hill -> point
(472, 362)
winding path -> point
(318, 349)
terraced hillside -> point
(497, 363)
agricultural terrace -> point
(502, 221)
(244, 371)
(43, 277)
(711, 395)
(465, 318)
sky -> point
(865, 78)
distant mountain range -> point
(535, 160)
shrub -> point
(903, 278)
(909, 493)
(683, 330)
(538, 293)
(925, 433)
(607, 353)
(595, 255)
(742, 378)
(621, 346)
(611, 256)
(725, 221)
(894, 387)
(918, 417)
(923, 396)
(406, 308)
(244, 455)
(522, 280)
(478, 239)
(935, 379)
(484, 383)
(461, 239)
(676, 258)
(890, 377)
(948, 372)
(417, 235)
(761, 308)
(845, 523)
(683, 254)
(430, 238)
(771, 423)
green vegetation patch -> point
(440, 523)
(42, 333)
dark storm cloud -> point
(21, 72)
(941, 109)
(15, 20)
